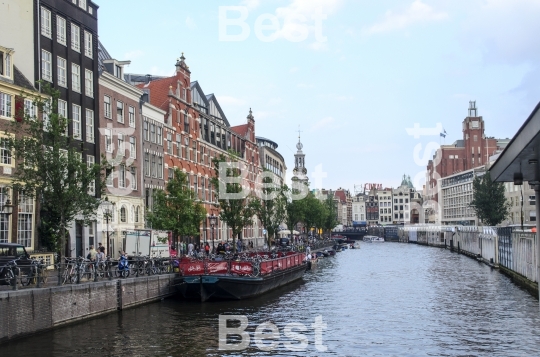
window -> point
(76, 121)
(159, 135)
(5, 105)
(62, 71)
(46, 66)
(90, 161)
(108, 140)
(5, 64)
(109, 177)
(119, 111)
(532, 200)
(145, 130)
(5, 153)
(133, 178)
(123, 215)
(46, 22)
(532, 216)
(121, 149)
(122, 176)
(89, 83)
(63, 112)
(186, 123)
(160, 167)
(171, 173)
(61, 30)
(25, 220)
(132, 147)
(146, 164)
(131, 114)
(118, 71)
(178, 145)
(169, 143)
(137, 214)
(30, 108)
(154, 166)
(75, 77)
(107, 106)
(153, 132)
(82, 4)
(75, 38)
(88, 49)
(89, 125)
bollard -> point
(14, 280)
(458, 248)
(96, 271)
(38, 274)
(109, 265)
(79, 272)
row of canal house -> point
(147, 126)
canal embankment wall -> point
(509, 249)
(28, 311)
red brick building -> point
(196, 131)
(473, 150)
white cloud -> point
(323, 123)
(159, 71)
(417, 12)
(506, 31)
(190, 23)
(228, 100)
(251, 4)
(131, 55)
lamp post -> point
(7, 210)
(213, 221)
(107, 212)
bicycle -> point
(10, 271)
(36, 274)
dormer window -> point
(118, 71)
(6, 63)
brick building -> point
(473, 150)
(196, 130)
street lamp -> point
(7, 210)
(107, 212)
(213, 221)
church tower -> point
(300, 171)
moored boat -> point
(237, 280)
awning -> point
(521, 154)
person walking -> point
(190, 248)
(207, 249)
(91, 254)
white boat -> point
(367, 239)
(377, 239)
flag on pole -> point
(443, 135)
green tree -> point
(49, 167)
(489, 202)
(313, 211)
(235, 205)
(331, 217)
(177, 209)
(294, 210)
(270, 209)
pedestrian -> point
(100, 255)
(190, 248)
(239, 245)
(91, 254)
(207, 249)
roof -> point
(341, 195)
(20, 80)
(240, 129)
(103, 54)
(260, 138)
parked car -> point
(284, 242)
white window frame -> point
(6, 156)
(121, 145)
(76, 111)
(61, 71)
(61, 30)
(6, 64)
(75, 77)
(30, 109)
(121, 176)
(82, 4)
(107, 106)
(119, 117)
(89, 125)
(132, 147)
(131, 114)
(108, 141)
(90, 161)
(46, 65)
(63, 111)
(75, 38)
(133, 178)
(46, 22)
(6, 105)
(89, 83)
(88, 44)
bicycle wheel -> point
(8, 277)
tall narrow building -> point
(300, 171)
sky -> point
(351, 75)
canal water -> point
(384, 299)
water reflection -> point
(381, 300)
